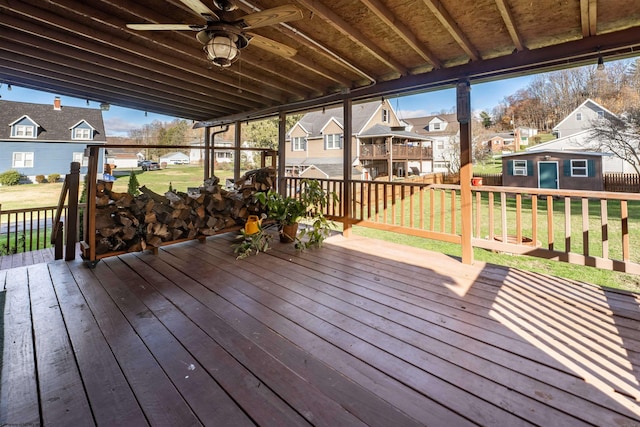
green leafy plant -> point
(252, 243)
(10, 177)
(284, 210)
(53, 177)
(133, 184)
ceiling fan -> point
(223, 39)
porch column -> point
(463, 95)
(282, 149)
(207, 152)
(236, 152)
(346, 180)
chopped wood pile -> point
(125, 223)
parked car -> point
(149, 166)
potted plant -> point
(285, 211)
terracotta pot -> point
(288, 233)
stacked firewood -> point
(128, 223)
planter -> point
(476, 181)
(288, 233)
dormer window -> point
(79, 133)
(436, 126)
(24, 127)
(82, 131)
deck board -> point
(336, 336)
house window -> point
(579, 168)
(520, 167)
(578, 116)
(299, 143)
(82, 133)
(333, 141)
(24, 131)
(436, 126)
(385, 115)
(440, 145)
(22, 160)
(80, 158)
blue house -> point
(40, 139)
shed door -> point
(548, 175)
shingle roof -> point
(420, 125)
(54, 125)
(314, 121)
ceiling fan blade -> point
(159, 27)
(271, 45)
(198, 7)
(287, 12)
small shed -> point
(175, 158)
(575, 170)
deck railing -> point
(600, 229)
(23, 230)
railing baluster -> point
(519, 219)
(411, 194)
(442, 203)
(491, 216)
(534, 220)
(624, 218)
(422, 187)
(604, 225)
(503, 213)
(402, 205)
(453, 212)
(585, 226)
(432, 209)
(567, 224)
(550, 236)
(478, 212)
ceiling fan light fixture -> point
(222, 50)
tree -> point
(486, 119)
(619, 136)
(133, 186)
(264, 133)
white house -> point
(443, 130)
(581, 118)
(175, 158)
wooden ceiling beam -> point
(441, 13)
(331, 18)
(98, 65)
(589, 17)
(507, 17)
(189, 49)
(21, 75)
(386, 16)
(127, 52)
(37, 60)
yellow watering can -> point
(252, 226)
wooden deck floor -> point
(360, 332)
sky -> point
(119, 121)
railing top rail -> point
(181, 147)
(609, 195)
(34, 209)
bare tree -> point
(619, 136)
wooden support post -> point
(207, 153)
(57, 247)
(282, 146)
(90, 211)
(463, 95)
(347, 167)
(236, 152)
(71, 220)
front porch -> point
(336, 336)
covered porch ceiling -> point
(341, 48)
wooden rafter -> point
(436, 7)
(354, 35)
(589, 17)
(507, 17)
(402, 30)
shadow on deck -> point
(336, 336)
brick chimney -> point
(57, 105)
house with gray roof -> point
(381, 147)
(443, 131)
(582, 118)
(39, 139)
